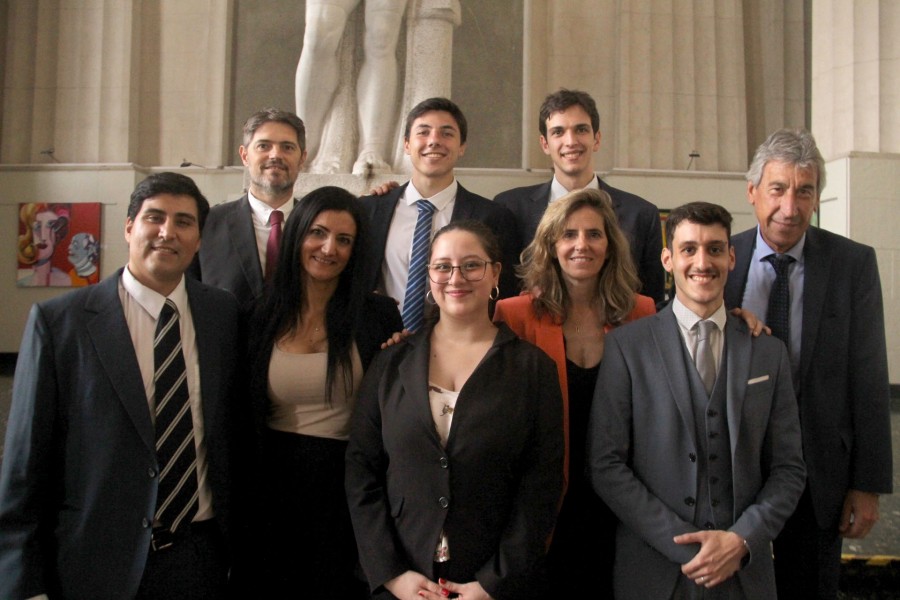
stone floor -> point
(871, 566)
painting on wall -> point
(58, 244)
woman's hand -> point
(464, 591)
(396, 338)
(755, 326)
(413, 586)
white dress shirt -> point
(398, 248)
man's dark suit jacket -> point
(844, 394)
(228, 258)
(638, 218)
(494, 489)
(79, 479)
(468, 206)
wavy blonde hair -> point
(542, 275)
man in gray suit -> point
(694, 439)
(834, 330)
(234, 255)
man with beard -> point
(241, 238)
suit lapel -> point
(208, 352)
(413, 374)
(738, 353)
(462, 205)
(816, 271)
(669, 348)
(737, 279)
(111, 339)
(243, 238)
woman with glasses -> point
(312, 336)
(454, 468)
(581, 282)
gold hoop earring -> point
(495, 293)
(429, 298)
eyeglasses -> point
(471, 270)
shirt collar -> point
(152, 301)
(440, 200)
(261, 210)
(558, 190)
(688, 318)
(763, 249)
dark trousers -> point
(807, 558)
(194, 567)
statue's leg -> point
(318, 69)
(377, 84)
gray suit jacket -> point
(78, 484)
(642, 451)
(844, 395)
(638, 218)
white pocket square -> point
(758, 379)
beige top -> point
(297, 395)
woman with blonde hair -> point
(581, 282)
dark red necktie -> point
(274, 243)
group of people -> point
(429, 394)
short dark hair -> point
(563, 99)
(279, 312)
(168, 183)
(486, 237)
(701, 213)
(268, 115)
(432, 104)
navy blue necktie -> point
(177, 494)
(778, 316)
(414, 300)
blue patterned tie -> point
(779, 311)
(177, 496)
(414, 300)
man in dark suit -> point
(835, 334)
(237, 234)
(570, 135)
(694, 437)
(89, 481)
(435, 139)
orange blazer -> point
(518, 313)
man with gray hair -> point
(241, 238)
(821, 294)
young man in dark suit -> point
(120, 459)
(694, 439)
(570, 135)
(833, 325)
(237, 234)
(435, 139)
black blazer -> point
(380, 319)
(78, 484)
(494, 490)
(844, 394)
(467, 206)
(228, 257)
(638, 218)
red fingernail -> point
(445, 592)
(442, 581)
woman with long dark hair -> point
(312, 336)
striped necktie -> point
(177, 494)
(414, 300)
